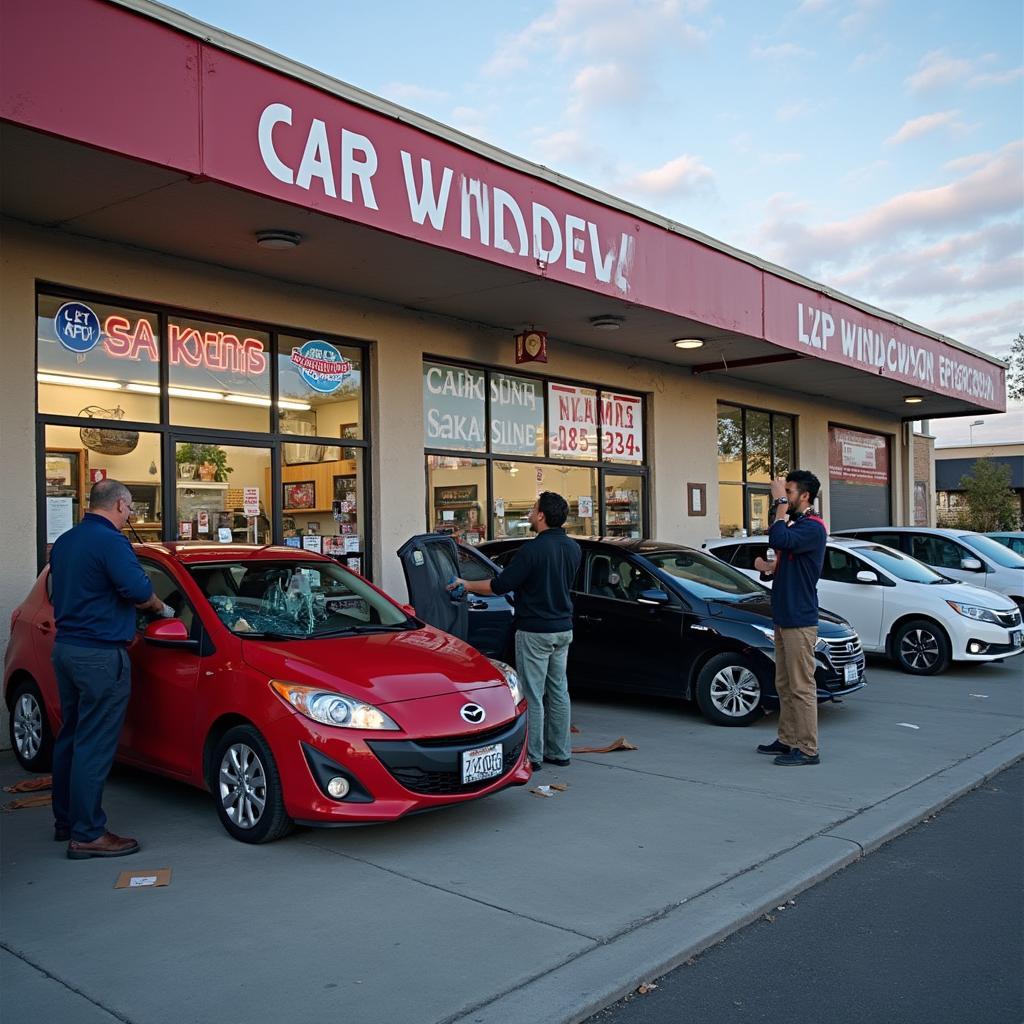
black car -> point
(656, 618)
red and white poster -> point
(622, 427)
(858, 458)
(572, 422)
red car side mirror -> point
(167, 633)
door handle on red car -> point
(44, 627)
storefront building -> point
(284, 311)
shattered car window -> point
(292, 599)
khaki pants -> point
(794, 683)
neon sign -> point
(186, 346)
(321, 366)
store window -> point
(585, 443)
(219, 375)
(320, 387)
(222, 465)
(754, 447)
(77, 457)
(96, 360)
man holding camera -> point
(800, 555)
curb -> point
(607, 972)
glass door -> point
(623, 505)
(222, 492)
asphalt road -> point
(927, 930)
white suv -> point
(899, 606)
(959, 554)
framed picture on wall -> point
(348, 430)
(300, 495)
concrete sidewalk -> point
(516, 908)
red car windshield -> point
(292, 600)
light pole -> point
(976, 423)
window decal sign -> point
(622, 428)
(572, 422)
(321, 366)
(856, 457)
(77, 327)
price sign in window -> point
(622, 428)
(572, 422)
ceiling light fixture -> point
(206, 396)
(688, 343)
(606, 322)
(914, 399)
(142, 389)
(78, 382)
(277, 239)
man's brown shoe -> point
(108, 845)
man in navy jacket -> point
(800, 554)
(97, 584)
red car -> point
(292, 689)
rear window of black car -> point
(704, 575)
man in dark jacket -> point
(541, 574)
(800, 554)
(97, 585)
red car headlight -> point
(330, 708)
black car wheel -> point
(921, 648)
(31, 736)
(247, 788)
(729, 690)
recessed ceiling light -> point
(688, 343)
(913, 399)
(276, 239)
(606, 323)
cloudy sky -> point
(875, 145)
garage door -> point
(859, 479)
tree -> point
(990, 503)
(1015, 371)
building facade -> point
(282, 310)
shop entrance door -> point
(222, 491)
(759, 505)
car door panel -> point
(861, 604)
(160, 722)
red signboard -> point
(857, 458)
(118, 81)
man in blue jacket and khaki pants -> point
(800, 555)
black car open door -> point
(429, 561)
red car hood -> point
(380, 668)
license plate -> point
(1017, 638)
(850, 673)
(482, 763)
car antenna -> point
(135, 533)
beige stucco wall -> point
(681, 408)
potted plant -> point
(187, 458)
(213, 463)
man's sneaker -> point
(796, 757)
(775, 747)
(561, 762)
(536, 766)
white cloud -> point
(925, 124)
(858, 19)
(600, 29)
(797, 110)
(602, 85)
(937, 69)
(994, 188)
(996, 78)
(681, 176)
(566, 146)
(779, 51)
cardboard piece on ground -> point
(143, 879)
(31, 785)
(620, 744)
(39, 800)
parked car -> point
(961, 555)
(659, 618)
(1012, 539)
(292, 689)
(899, 606)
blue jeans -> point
(94, 685)
(540, 662)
